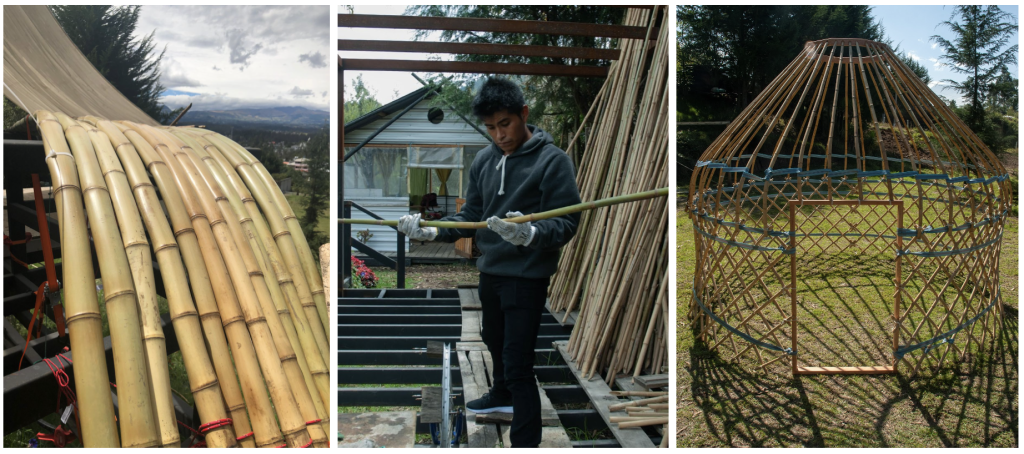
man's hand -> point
(517, 234)
(410, 226)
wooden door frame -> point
(847, 370)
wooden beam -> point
(851, 370)
(519, 50)
(366, 64)
(493, 25)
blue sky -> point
(911, 27)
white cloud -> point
(935, 83)
(300, 93)
(315, 60)
(913, 56)
(934, 45)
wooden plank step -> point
(652, 381)
(601, 399)
(474, 385)
(396, 429)
(470, 299)
(550, 437)
(851, 370)
(560, 316)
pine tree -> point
(978, 50)
(104, 34)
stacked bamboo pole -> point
(621, 251)
(245, 317)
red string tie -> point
(243, 437)
(313, 421)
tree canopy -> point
(557, 104)
(104, 34)
(362, 102)
(978, 49)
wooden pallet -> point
(601, 398)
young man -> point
(520, 172)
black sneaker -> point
(490, 404)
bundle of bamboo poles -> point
(651, 410)
(614, 272)
(243, 294)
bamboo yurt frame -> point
(847, 149)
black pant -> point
(512, 308)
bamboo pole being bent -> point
(662, 192)
(183, 313)
(135, 403)
(292, 424)
(295, 322)
(267, 288)
(85, 328)
(141, 265)
(215, 298)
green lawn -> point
(843, 321)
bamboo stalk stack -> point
(621, 251)
(245, 315)
(649, 411)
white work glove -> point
(517, 234)
(410, 226)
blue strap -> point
(946, 337)
(952, 252)
(743, 245)
(745, 336)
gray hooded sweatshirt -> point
(537, 177)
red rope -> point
(313, 421)
(203, 429)
(307, 444)
(243, 437)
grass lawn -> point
(843, 321)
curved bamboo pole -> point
(308, 263)
(282, 235)
(199, 174)
(179, 300)
(283, 328)
(662, 192)
(295, 321)
(212, 285)
(140, 263)
(136, 412)
(85, 329)
(201, 205)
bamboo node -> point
(248, 199)
(229, 321)
(317, 292)
(280, 234)
(198, 216)
(112, 296)
(255, 273)
(113, 171)
(90, 188)
(157, 336)
(184, 314)
(244, 220)
(183, 231)
(118, 146)
(211, 314)
(142, 185)
(256, 320)
(217, 221)
(291, 357)
(272, 443)
(203, 386)
(290, 216)
(283, 281)
(220, 199)
(65, 186)
(82, 315)
(136, 243)
(157, 249)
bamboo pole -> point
(662, 192)
(263, 277)
(282, 234)
(212, 282)
(308, 263)
(292, 316)
(140, 262)
(202, 204)
(85, 331)
(176, 284)
(135, 403)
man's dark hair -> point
(498, 94)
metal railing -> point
(348, 242)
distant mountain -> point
(288, 116)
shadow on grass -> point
(962, 404)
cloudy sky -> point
(386, 85)
(913, 37)
(228, 57)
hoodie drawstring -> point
(501, 165)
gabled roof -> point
(385, 110)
